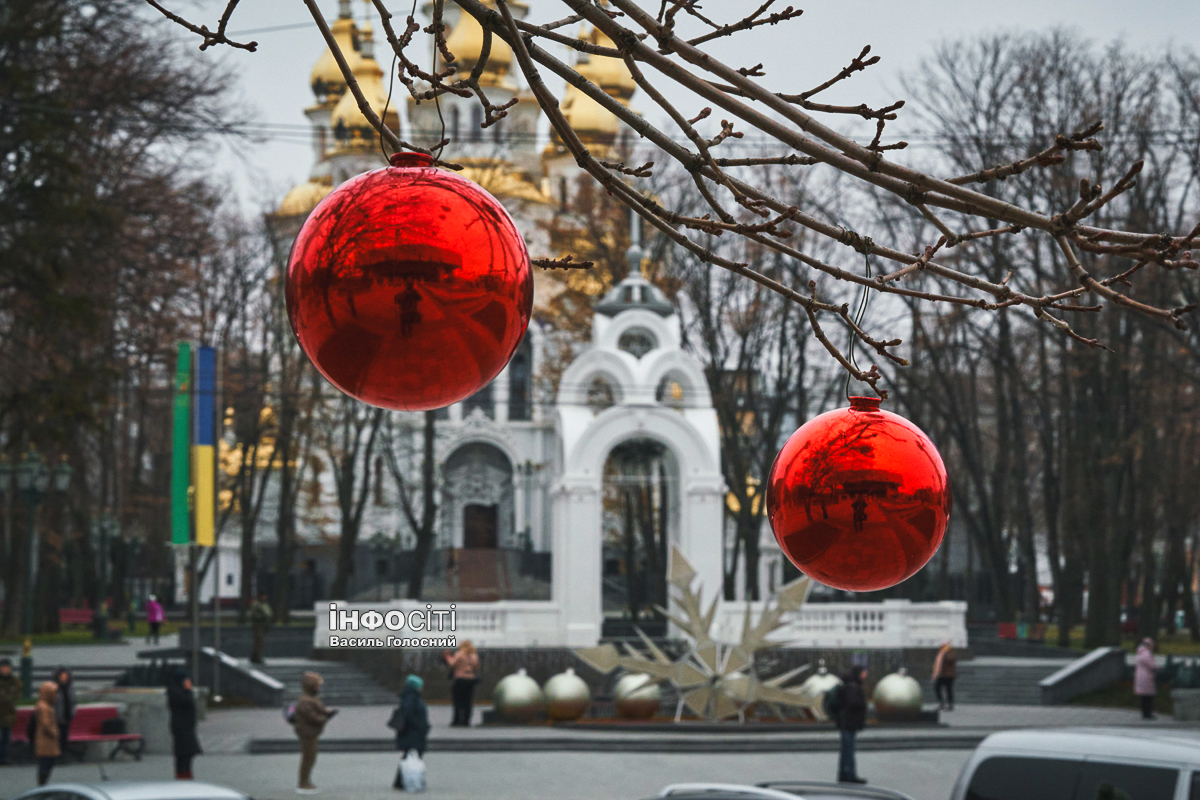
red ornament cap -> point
(409, 287)
(865, 403)
(409, 158)
(859, 498)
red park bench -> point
(88, 726)
(1032, 632)
(75, 616)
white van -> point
(1084, 764)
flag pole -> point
(205, 469)
(217, 432)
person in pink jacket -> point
(154, 616)
(1143, 677)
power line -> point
(273, 28)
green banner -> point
(181, 447)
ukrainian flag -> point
(204, 446)
(181, 439)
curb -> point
(642, 744)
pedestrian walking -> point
(155, 616)
(64, 706)
(410, 721)
(309, 720)
(261, 618)
(1143, 677)
(181, 702)
(945, 670)
(850, 711)
(10, 695)
(43, 731)
(464, 675)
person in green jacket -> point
(10, 693)
(261, 618)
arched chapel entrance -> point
(478, 497)
(640, 502)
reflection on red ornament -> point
(409, 287)
(858, 498)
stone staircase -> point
(1000, 680)
(345, 684)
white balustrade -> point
(892, 624)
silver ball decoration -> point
(816, 687)
(518, 698)
(567, 696)
(897, 696)
(820, 682)
(637, 696)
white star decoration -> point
(715, 680)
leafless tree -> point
(418, 498)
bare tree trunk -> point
(423, 528)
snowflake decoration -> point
(714, 679)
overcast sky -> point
(797, 55)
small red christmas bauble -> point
(858, 498)
(409, 287)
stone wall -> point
(390, 666)
(283, 641)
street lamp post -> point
(107, 528)
(6, 475)
(33, 481)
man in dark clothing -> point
(261, 618)
(181, 703)
(851, 715)
(10, 694)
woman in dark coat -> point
(182, 704)
(64, 706)
(412, 730)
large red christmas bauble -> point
(409, 287)
(858, 498)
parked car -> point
(1083, 764)
(133, 790)
(778, 790)
(819, 790)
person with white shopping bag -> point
(410, 721)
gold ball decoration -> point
(518, 698)
(637, 696)
(897, 696)
(567, 696)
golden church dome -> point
(593, 122)
(610, 74)
(327, 81)
(303, 198)
(502, 181)
(466, 43)
(589, 119)
(351, 130)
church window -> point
(476, 124)
(637, 341)
(520, 383)
(671, 392)
(481, 400)
(600, 394)
(378, 477)
(454, 123)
